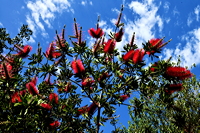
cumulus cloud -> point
(188, 51)
(42, 13)
(146, 18)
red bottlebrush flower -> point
(128, 56)
(82, 110)
(96, 33)
(46, 106)
(31, 86)
(53, 97)
(87, 82)
(61, 39)
(180, 72)
(6, 71)
(138, 55)
(118, 35)
(22, 93)
(152, 68)
(92, 108)
(51, 53)
(16, 97)
(23, 52)
(55, 124)
(77, 66)
(173, 88)
(109, 46)
(67, 87)
(124, 97)
(155, 43)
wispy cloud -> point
(84, 2)
(190, 19)
(175, 11)
(42, 13)
(196, 11)
(166, 6)
(188, 50)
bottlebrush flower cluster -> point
(23, 52)
(31, 86)
(179, 72)
(135, 55)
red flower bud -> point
(6, 71)
(155, 43)
(53, 97)
(128, 56)
(55, 124)
(46, 106)
(92, 108)
(51, 53)
(96, 33)
(153, 69)
(109, 46)
(124, 97)
(138, 55)
(77, 66)
(87, 82)
(23, 52)
(16, 97)
(67, 87)
(31, 86)
(82, 110)
(173, 88)
(118, 35)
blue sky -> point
(176, 19)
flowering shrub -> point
(84, 73)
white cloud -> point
(166, 6)
(42, 13)
(145, 21)
(175, 11)
(196, 11)
(167, 20)
(83, 3)
(189, 53)
(189, 20)
(102, 23)
(1, 25)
